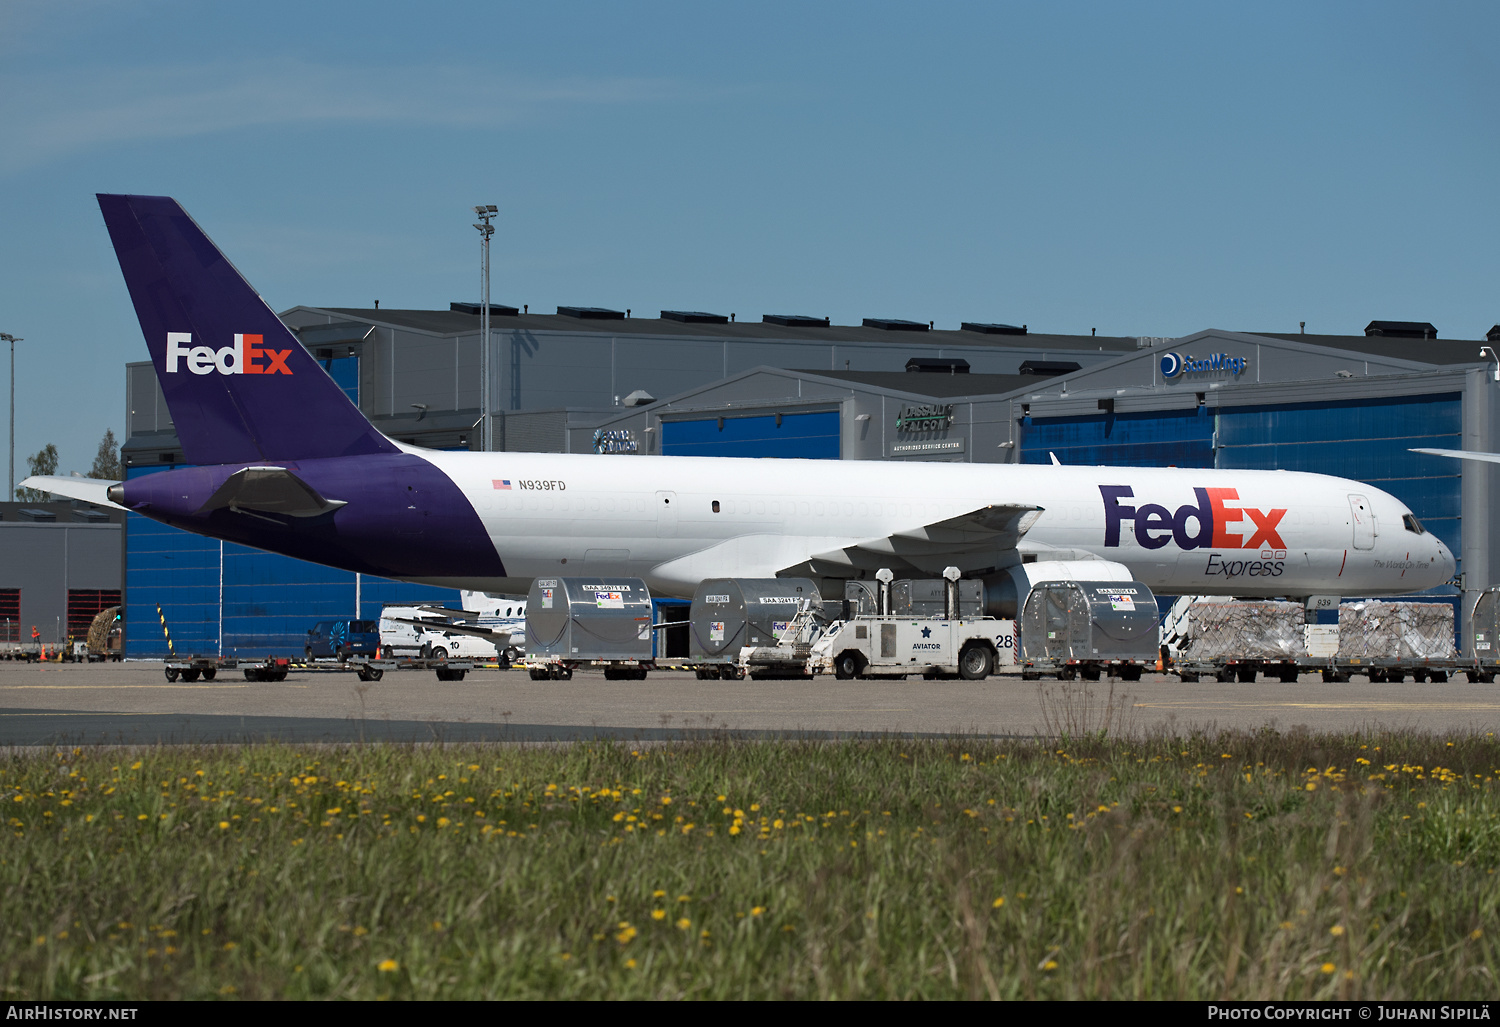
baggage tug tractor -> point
(883, 645)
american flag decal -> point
(500, 483)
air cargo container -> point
(730, 614)
(589, 621)
(1089, 628)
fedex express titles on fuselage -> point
(285, 462)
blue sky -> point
(1143, 169)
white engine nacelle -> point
(1005, 591)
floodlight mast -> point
(10, 492)
(486, 212)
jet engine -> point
(1005, 591)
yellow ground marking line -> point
(116, 688)
(102, 714)
(1227, 704)
(769, 709)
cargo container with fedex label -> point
(1089, 628)
(590, 621)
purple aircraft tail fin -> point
(239, 385)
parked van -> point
(342, 639)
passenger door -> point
(666, 515)
(1363, 520)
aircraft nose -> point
(1446, 561)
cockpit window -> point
(1413, 525)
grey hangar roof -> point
(452, 322)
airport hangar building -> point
(60, 565)
(689, 383)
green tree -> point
(107, 460)
(43, 462)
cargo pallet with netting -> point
(1384, 641)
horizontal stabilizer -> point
(974, 539)
(1462, 454)
(273, 490)
(89, 490)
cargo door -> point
(1032, 627)
(1363, 520)
(1485, 621)
(1057, 623)
(1080, 625)
(666, 515)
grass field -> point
(1250, 866)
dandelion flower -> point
(1050, 965)
(1337, 930)
(386, 966)
(684, 924)
(1328, 968)
(998, 902)
(223, 825)
(658, 914)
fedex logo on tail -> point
(246, 356)
(1212, 524)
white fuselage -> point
(676, 521)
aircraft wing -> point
(443, 611)
(969, 540)
(269, 490)
(89, 490)
(500, 638)
(1457, 454)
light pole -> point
(10, 493)
(486, 212)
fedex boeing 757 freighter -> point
(285, 462)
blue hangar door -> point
(813, 436)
